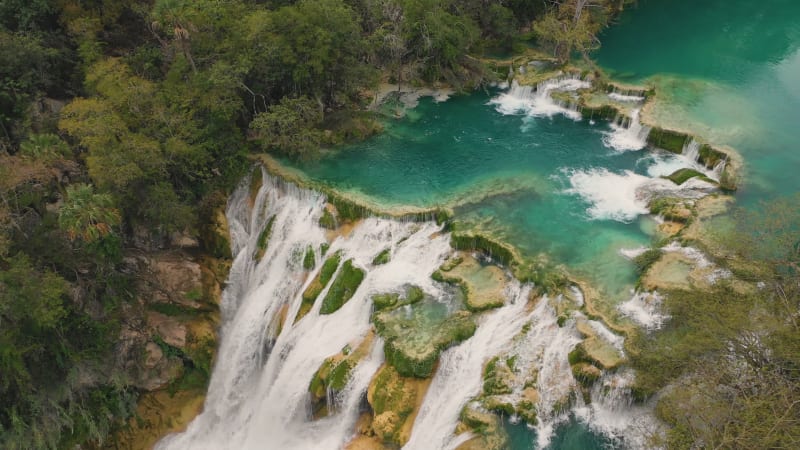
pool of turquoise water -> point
(508, 173)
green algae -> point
(383, 257)
(343, 288)
(681, 176)
(414, 339)
(318, 284)
(263, 239)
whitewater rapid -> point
(258, 394)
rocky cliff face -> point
(169, 333)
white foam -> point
(645, 308)
(627, 136)
(611, 196)
(632, 253)
(536, 101)
(625, 98)
(613, 414)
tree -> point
(86, 215)
(572, 25)
(290, 127)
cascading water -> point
(691, 153)
(612, 412)
(537, 101)
(258, 394)
(459, 374)
(627, 133)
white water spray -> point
(537, 101)
(627, 133)
(258, 395)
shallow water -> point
(729, 70)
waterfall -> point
(627, 133)
(691, 153)
(537, 101)
(645, 308)
(612, 412)
(459, 376)
(258, 393)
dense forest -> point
(126, 123)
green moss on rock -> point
(318, 284)
(669, 140)
(383, 257)
(413, 346)
(681, 176)
(343, 288)
(263, 239)
(327, 220)
(309, 259)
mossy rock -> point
(597, 352)
(710, 157)
(413, 347)
(334, 373)
(681, 176)
(256, 181)
(383, 257)
(394, 399)
(483, 285)
(451, 263)
(671, 208)
(263, 239)
(602, 112)
(496, 250)
(586, 373)
(215, 235)
(392, 300)
(327, 220)
(318, 284)
(646, 259)
(309, 260)
(343, 288)
(497, 377)
(487, 428)
(669, 140)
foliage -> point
(86, 215)
(729, 355)
(290, 127)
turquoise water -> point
(569, 436)
(508, 173)
(729, 70)
(726, 70)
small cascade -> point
(646, 309)
(691, 151)
(555, 382)
(627, 133)
(613, 413)
(538, 101)
(625, 98)
(458, 377)
(258, 394)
